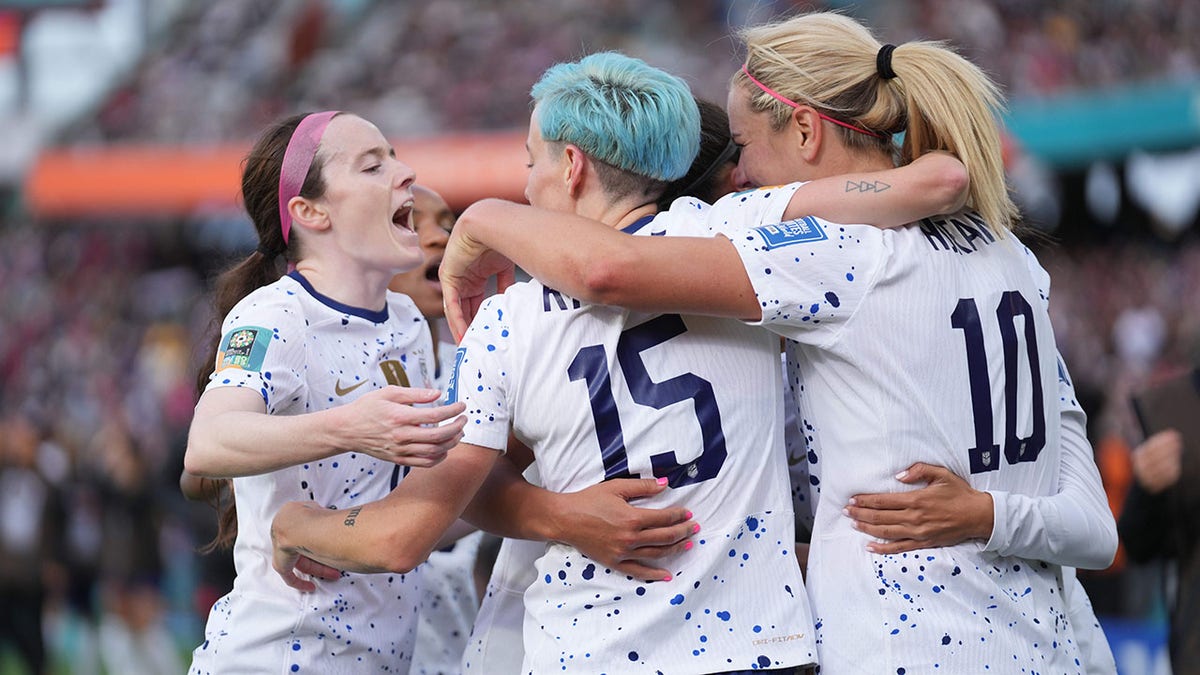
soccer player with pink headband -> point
(311, 394)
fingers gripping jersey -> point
(600, 392)
(304, 352)
(928, 343)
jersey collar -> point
(374, 316)
(638, 224)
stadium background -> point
(125, 120)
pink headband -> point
(301, 149)
(790, 103)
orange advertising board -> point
(149, 180)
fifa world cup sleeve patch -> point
(801, 231)
(452, 389)
(244, 348)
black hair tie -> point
(883, 62)
(721, 160)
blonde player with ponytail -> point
(924, 345)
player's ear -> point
(308, 214)
(805, 125)
(574, 168)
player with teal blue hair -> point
(621, 112)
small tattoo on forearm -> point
(866, 186)
(351, 516)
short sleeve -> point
(751, 208)
(810, 275)
(261, 350)
(481, 376)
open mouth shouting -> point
(431, 272)
(402, 217)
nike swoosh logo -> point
(340, 391)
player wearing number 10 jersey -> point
(924, 344)
(600, 392)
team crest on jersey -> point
(393, 372)
(452, 388)
(801, 231)
(244, 348)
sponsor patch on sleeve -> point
(452, 388)
(244, 348)
(789, 232)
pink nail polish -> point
(668, 578)
(662, 481)
(688, 516)
(687, 546)
(695, 528)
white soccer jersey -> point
(449, 603)
(449, 600)
(496, 646)
(601, 392)
(304, 353)
(930, 344)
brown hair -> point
(260, 196)
(938, 99)
(715, 140)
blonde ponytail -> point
(937, 99)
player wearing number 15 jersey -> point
(600, 392)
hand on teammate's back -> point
(386, 424)
(945, 512)
(600, 522)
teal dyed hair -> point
(622, 112)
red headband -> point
(301, 149)
(789, 102)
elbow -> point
(598, 282)
(204, 456)
(1104, 551)
(953, 186)
(606, 279)
(193, 462)
(1108, 545)
(470, 216)
(198, 458)
(402, 552)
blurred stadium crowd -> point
(230, 66)
(98, 319)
